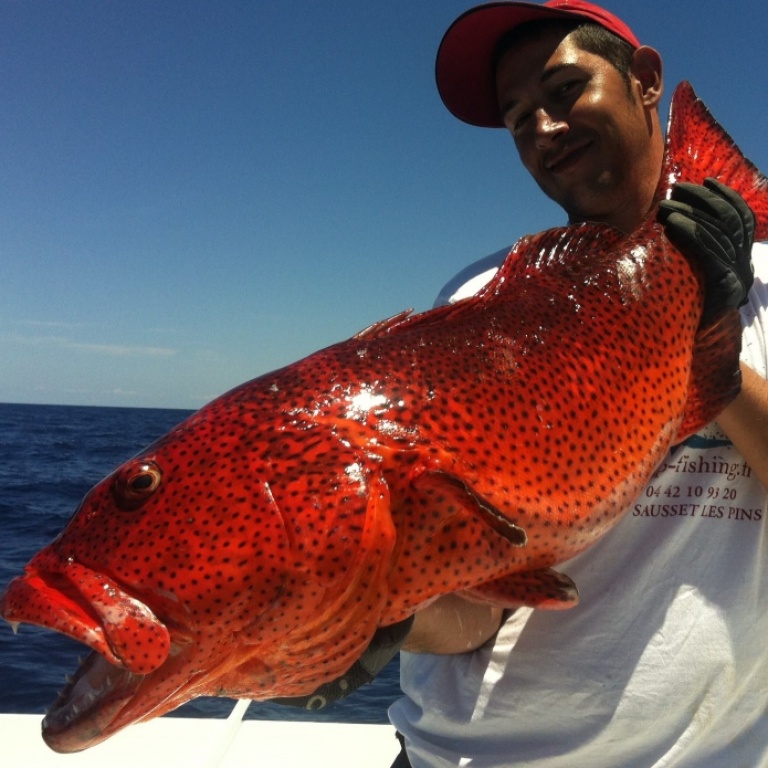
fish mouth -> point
(127, 641)
(91, 701)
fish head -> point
(187, 577)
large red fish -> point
(255, 549)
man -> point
(665, 661)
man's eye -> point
(567, 88)
(520, 121)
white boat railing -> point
(181, 742)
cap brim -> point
(464, 63)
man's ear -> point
(646, 68)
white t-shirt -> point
(664, 663)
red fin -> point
(466, 498)
(697, 147)
(545, 589)
(438, 315)
(715, 375)
(406, 320)
(383, 327)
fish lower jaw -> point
(81, 715)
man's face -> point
(580, 131)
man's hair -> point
(589, 37)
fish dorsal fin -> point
(565, 251)
(561, 248)
(698, 147)
(407, 321)
(382, 327)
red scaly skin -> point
(255, 549)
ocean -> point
(50, 456)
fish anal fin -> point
(715, 378)
(544, 589)
(465, 497)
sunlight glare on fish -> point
(355, 472)
(629, 271)
(363, 402)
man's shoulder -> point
(760, 261)
(471, 279)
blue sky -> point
(194, 193)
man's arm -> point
(452, 624)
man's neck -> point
(630, 214)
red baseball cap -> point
(464, 64)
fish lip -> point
(100, 697)
(88, 607)
(90, 702)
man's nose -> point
(548, 128)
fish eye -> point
(135, 483)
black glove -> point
(384, 645)
(713, 224)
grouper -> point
(256, 549)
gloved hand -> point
(713, 224)
(384, 645)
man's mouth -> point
(567, 157)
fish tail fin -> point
(698, 147)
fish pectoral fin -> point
(462, 494)
(544, 589)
